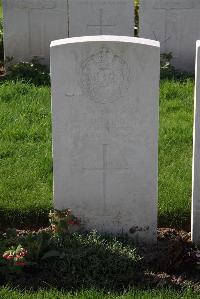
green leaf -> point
(11, 233)
(51, 253)
(18, 249)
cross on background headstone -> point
(105, 168)
(172, 16)
(176, 25)
(41, 34)
(29, 27)
(100, 25)
(30, 9)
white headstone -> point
(196, 156)
(97, 17)
(31, 25)
(176, 24)
(105, 127)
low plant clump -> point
(33, 72)
(65, 258)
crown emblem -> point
(104, 76)
(103, 57)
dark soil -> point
(173, 262)
(2, 71)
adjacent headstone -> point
(196, 156)
(176, 24)
(30, 26)
(97, 17)
(105, 132)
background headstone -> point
(97, 17)
(196, 156)
(31, 25)
(105, 127)
(176, 24)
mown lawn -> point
(7, 293)
(1, 10)
(175, 152)
(25, 153)
(26, 163)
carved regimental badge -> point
(104, 76)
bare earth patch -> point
(173, 262)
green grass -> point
(1, 9)
(73, 262)
(7, 293)
(175, 152)
(25, 153)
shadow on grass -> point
(84, 261)
(99, 262)
(32, 218)
(178, 219)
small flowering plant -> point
(64, 222)
(15, 256)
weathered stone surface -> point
(196, 155)
(97, 17)
(176, 24)
(30, 26)
(105, 128)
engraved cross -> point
(30, 8)
(171, 17)
(41, 35)
(101, 25)
(105, 169)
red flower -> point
(19, 257)
(73, 222)
(70, 222)
(23, 253)
(20, 264)
(8, 256)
